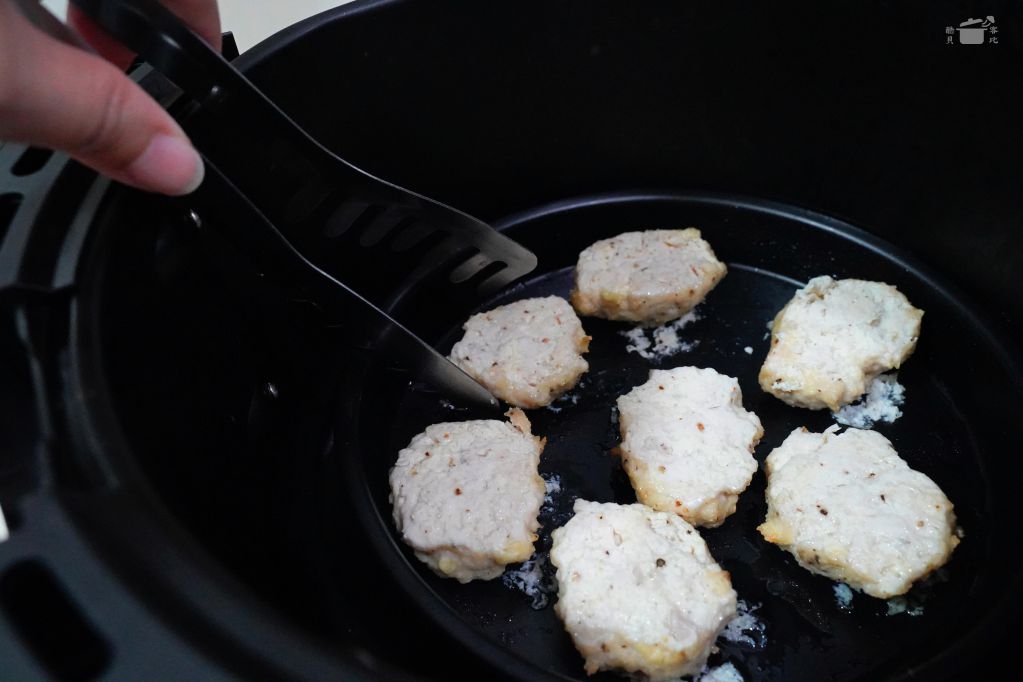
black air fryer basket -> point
(194, 463)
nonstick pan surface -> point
(962, 392)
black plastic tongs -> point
(308, 198)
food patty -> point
(466, 495)
(686, 443)
(834, 337)
(848, 507)
(638, 591)
(526, 353)
(648, 277)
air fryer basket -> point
(948, 430)
(201, 481)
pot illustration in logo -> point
(971, 31)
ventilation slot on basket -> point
(50, 624)
(30, 161)
(8, 207)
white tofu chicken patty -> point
(647, 277)
(466, 495)
(848, 507)
(687, 443)
(638, 591)
(526, 353)
(834, 337)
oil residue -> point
(843, 596)
(536, 577)
(746, 628)
(726, 672)
(660, 342)
(880, 403)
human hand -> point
(57, 96)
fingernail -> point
(169, 165)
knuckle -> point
(103, 132)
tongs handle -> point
(157, 34)
(299, 185)
(283, 171)
(261, 160)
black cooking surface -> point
(807, 633)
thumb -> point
(57, 96)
